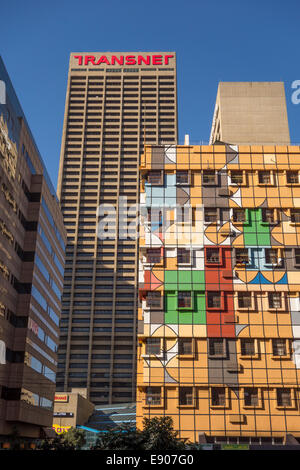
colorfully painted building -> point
(219, 285)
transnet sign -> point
(155, 59)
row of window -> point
(217, 347)
(215, 300)
(210, 177)
(219, 397)
(214, 256)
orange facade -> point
(219, 313)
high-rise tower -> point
(115, 103)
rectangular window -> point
(183, 256)
(186, 397)
(297, 256)
(284, 397)
(279, 347)
(155, 177)
(248, 347)
(268, 215)
(251, 397)
(153, 255)
(216, 347)
(271, 256)
(210, 215)
(218, 396)
(237, 177)
(212, 255)
(239, 215)
(241, 255)
(264, 177)
(153, 346)
(185, 346)
(182, 177)
(244, 300)
(275, 300)
(292, 177)
(184, 299)
(214, 300)
(209, 177)
(295, 216)
(154, 300)
(153, 396)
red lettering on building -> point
(167, 57)
(103, 59)
(157, 59)
(79, 57)
(89, 58)
(114, 59)
(130, 60)
(143, 59)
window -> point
(153, 396)
(154, 300)
(184, 299)
(244, 300)
(241, 255)
(218, 396)
(297, 256)
(248, 347)
(185, 346)
(153, 255)
(284, 397)
(183, 256)
(210, 215)
(153, 346)
(268, 215)
(251, 397)
(264, 177)
(212, 255)
(237, 177)
(155, 177)
(214, 300)
(186, 397)
(275, 300)
(292, 177)
(209, 177)
(182, 177)
(295, 216)
(271, 256)
(279, 347)
(239, 215)
(216, 347)
(155, 216)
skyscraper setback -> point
(115, 104)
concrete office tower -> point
(250, 113)
(115, 103)
(32, 245)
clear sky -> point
(215, 40)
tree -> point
(122, 437)
(157, 434)
(74, 439)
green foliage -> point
(74, 439)
(157, 434)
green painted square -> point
(185, 279)
(181, 317)
(256, 233)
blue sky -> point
(216, 40)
